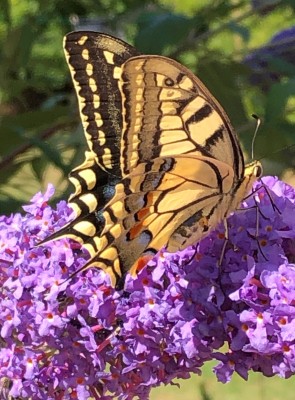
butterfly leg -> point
(225, 242)
(256, 237)
(259, 213)
(256, 190)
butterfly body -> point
(164, 165)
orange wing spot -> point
(140, 264)
(150, 198)
(135, 230)
(204, 223)
(141, 214)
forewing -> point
(168, 111)
(95, 62)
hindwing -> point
(169, 201)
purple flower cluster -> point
(79, 338)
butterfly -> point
(163, 166)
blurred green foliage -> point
(41, 136)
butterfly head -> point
(253, 171)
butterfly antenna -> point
(288, 147)
(258, 122)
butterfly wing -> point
(95, 61)
(159, 205)
(176, 165)
(181, 161)
(169, 111)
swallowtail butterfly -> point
(163, 165)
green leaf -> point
(17, 48)
(158, 31)
(277, 99)
(5, 11)
(9, 171)
(18, 129)
(241, 30)
(7, 204)
(225, 90)
(39, 165)
(51, 153)
(278, 64)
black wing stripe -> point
(200, 114)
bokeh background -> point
(244, 51)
